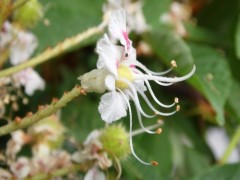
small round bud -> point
(28, 14)
(115, 141)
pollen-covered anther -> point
(178, 108)
(17, 119)
(160, 121)
(159, 131)
(154, 163)
(83, 92)
(176, 100)
(173, 63)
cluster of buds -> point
(177, 15)
(125, 78)
(103, 148)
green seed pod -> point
(115, 141)
(28, 14)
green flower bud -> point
(28, 14)
(115, 141)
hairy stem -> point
(43, 111)
(233, 143)
(59, 49)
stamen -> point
(178, 108)
(173, 63)
(176, 100)
(134, 97)
(154, 163)
(140, 65)
(153, 108)
(159, 131)
(140, 131)
(141, 123)
(165, 79)
(130, 132)
(154, 97)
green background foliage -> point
(212, 44)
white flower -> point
(6, 35)
(94, 174)
(30, 79)
(134, 14)
(177, 14)
(127, 77)
(22, 47)
(21, 168)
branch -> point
(233, 143)
(50, 53)
(43, 111)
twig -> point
(59, 49)
(233, 143)
(43, 111)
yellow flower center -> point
(126, 73)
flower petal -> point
(22, 47)
(117, 28)
(109, 55)
(30, 79)
(94, 174)
(112, 107)
(110, 82)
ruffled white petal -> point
(22, 47)
(112, 107)
(30, 79)
(117, 28)
(110, 82)
(109, 55)
(94, 174)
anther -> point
(83, 91)
(17, 119)
(160, 121)
(126, 55)
(77, 86)
(154, 163)
(178, 108)
(65, 92)
(159, 131)
(173, 63)
(176, 100)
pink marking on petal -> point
(132, 66)
(125, 35)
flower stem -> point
(59, 49)
(233, 143)
(43, 111)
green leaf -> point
(66, 19)
(212, 77)
(237, 38)
(168, 46)
(234, 99)
(153, 9)
(225, 172)
(148, 148)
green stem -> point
(43, 112)
(60, 48)
(233, 143)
